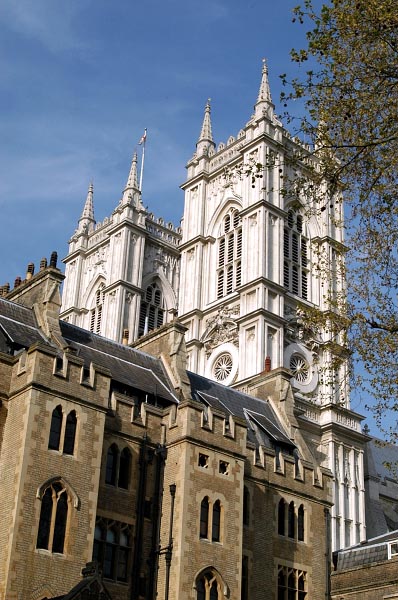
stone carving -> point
(297, 331)
(221, 328)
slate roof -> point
(384, 454)
(263, 424)
(127, 366)
(19, 324)
(365, 553)
(139, 370)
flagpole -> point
(142, 160)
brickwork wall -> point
(26, 463)
(370, 582)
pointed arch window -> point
(300, 523)
(53, 518)
(55, 428)
(207, 587)
(152, 310)
(70, 433)
(281, 516)
(118, 467)
(229, 271)
(216, 524)
(204, 518)
(291, 520)
(124, 469)
(111, 464)
(62, 431)
(295, 253)
(246, 506)
(96, 312)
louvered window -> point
(295, 254)
(229, 265)
(96, 312)
(152, 310)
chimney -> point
(30, 271)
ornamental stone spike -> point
(264, 99)
(132, 181)
(206, 137)
(87, 220)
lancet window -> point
(62, 431)
(53, 518)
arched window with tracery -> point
(229, 258)
(53, 518)
(152, 309)
(295, 255)
(208, 587)
(112, 548)
(96, 311)
(55, 428)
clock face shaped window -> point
(300, 361)
(300, 368)
(222, 366)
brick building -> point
(179, 486)
(367, 571)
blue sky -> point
(81, 79)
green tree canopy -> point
(350, 88)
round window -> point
(300, 368)
(222, 366)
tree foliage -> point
(350, 88)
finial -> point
(206, 133)
(264, 94)
(132, 182)
(87, 220)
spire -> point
(264, 100)
(131, 193)
(87, 221)
(206, 134)
(206, 137)
(132, 181)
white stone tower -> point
(260, 250)
(122, 274)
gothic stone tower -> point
(121, 274)
(258, 256)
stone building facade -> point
(193, 441)
(261, 250)
(178, 486)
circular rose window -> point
(222, 366)
(300, 368)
